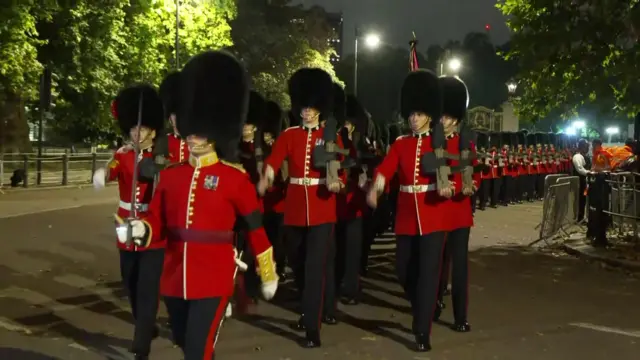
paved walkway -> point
(60, 297)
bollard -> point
(94, 164)
(65, 168)
(25, 167)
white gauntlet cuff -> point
(269, 173)
(379, 183)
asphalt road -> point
(60, 296)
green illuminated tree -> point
(574, 55)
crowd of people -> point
(242, 189)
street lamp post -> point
(372, 41)
(612, 131)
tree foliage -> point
(93, 48)
(579, 55)
(275, 38)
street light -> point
(612, 130)
(512, 86)
(372, 41)
(455, 64)
(579, 124)
(571, 131)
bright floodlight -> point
(570, 131)
(512, 87)
(455, 64)
(612, 130)
(579, 124)
(372, 40)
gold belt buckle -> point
(306, 181)
(415, 188)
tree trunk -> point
(14, 128)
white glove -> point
(138, 231)
(99, 179)
(229, 312)
(269, 289)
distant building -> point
(336, 22)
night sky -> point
(434, 21)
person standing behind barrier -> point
(581, 163)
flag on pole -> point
(413, 55)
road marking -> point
(9, 326)
(40, 211)
(610, 330)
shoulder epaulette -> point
(236, 166)
(291, 127)
(402, 137)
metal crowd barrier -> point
(560, 206)
(51, 169)
(624, 208)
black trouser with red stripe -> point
(456, 255)
(274, 227)
(312, 259)
(195, 325)
(418, 262)
(349, 256)
(141, 271)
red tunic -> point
(121, 168)
(196, 206)
(522, 167)
(493, 165)
(419, 212)
(275, 196)
(351, 203)
(532, 169)
(458, 208)
(308, 202)
(178, 149)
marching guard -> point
(420, 224)
(199, 202)
(351, 207)
(140, 266)
(273, 200)
(458, 207)
(310, 205)
(178, 150)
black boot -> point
(423, 344)
(141, 357)
(349, 300)
(299, 326)
(461, 327)
(312, 340)
(329, 320)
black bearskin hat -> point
(311, 88)
(273, 123)
(357, 114)
(293, 118)
(522, 138)
(170, 93)
(421, 92)
(126, 107)
(456, 97)
(531, 139)
(215, 95)
(257, 109)
(339, 104)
